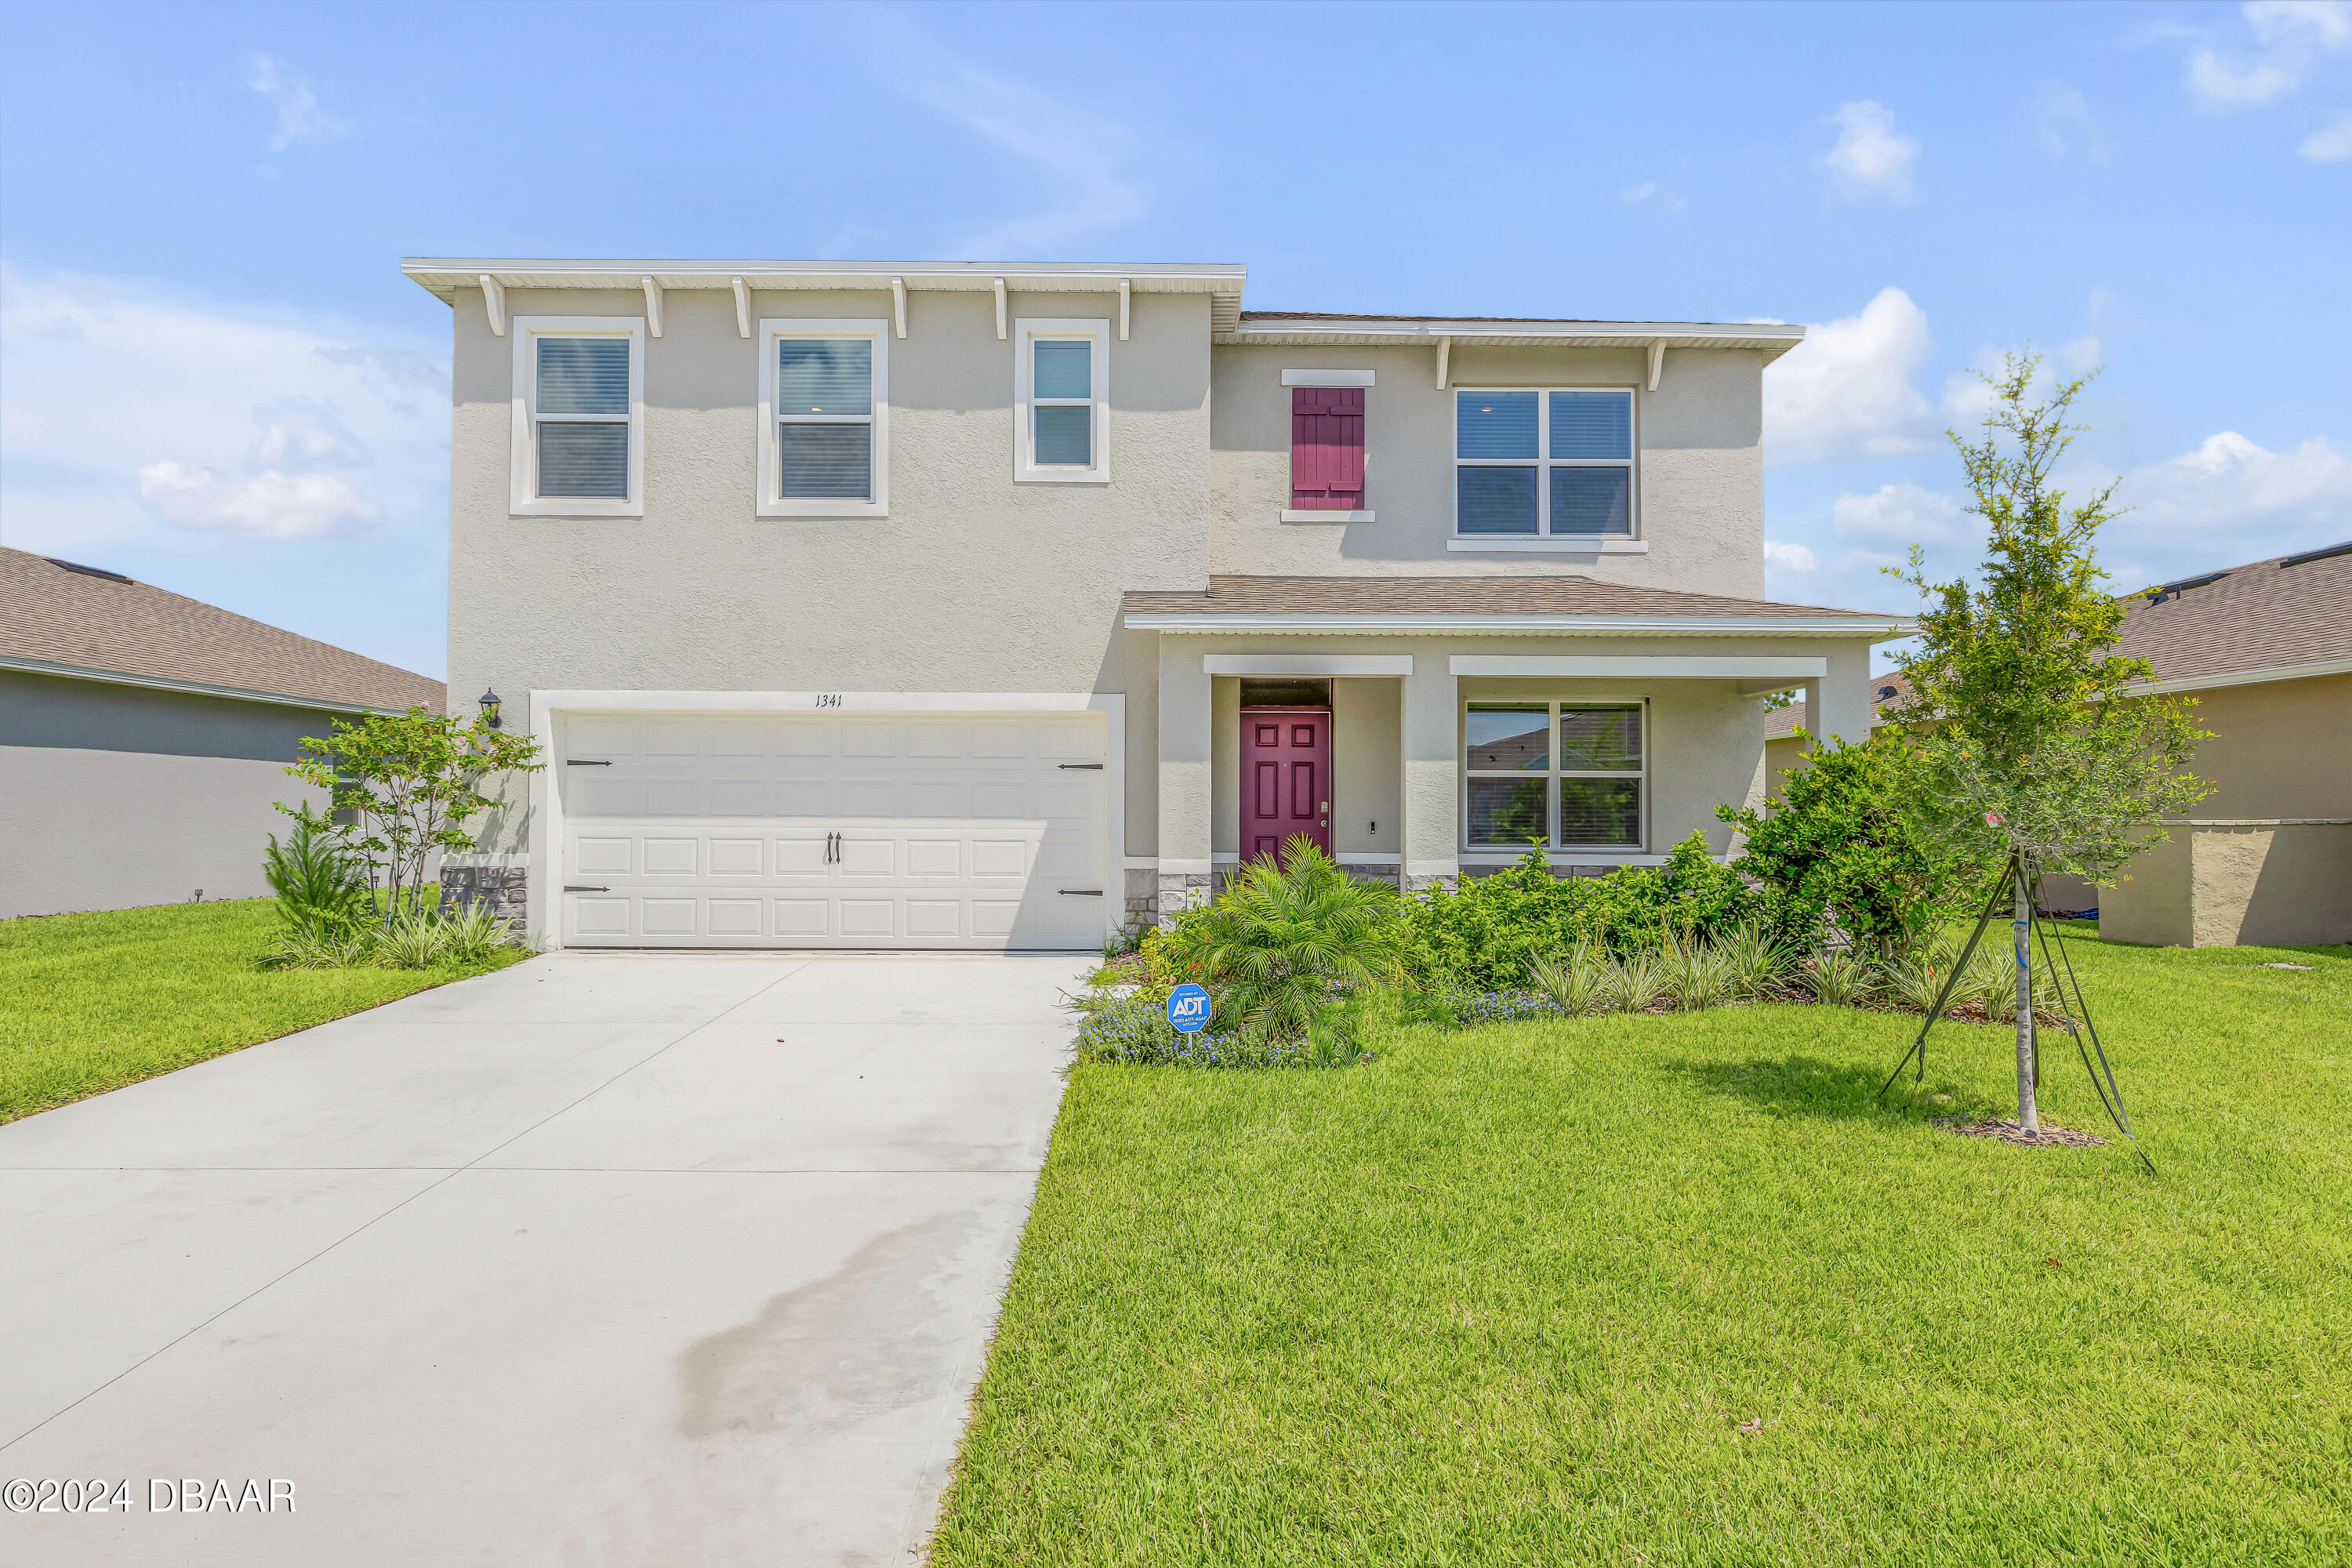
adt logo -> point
(1187, 1008)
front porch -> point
(1455, 738)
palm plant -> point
(1837, 978)
(320, 886)
(1578, 984)
(1284, 938)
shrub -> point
(1758, 960)
(1489, 928)
(1696, 976)
(1841, 842)
(1636, 982)
(319, 947)
(1134, 1030)
(320, 886)
(1838, 979)
(1576, 985)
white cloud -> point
(2067, 126)
(300, 119)
(1903, 514)
(1651, 192)
(1846, 392)
(1090, 169)
(1869, 159)
(266, 505)
(131, 413)
(2329, 144)
(2291, 36)
(1789, 557)
(2231, 488)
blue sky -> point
(213, 376)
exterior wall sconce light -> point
(489, 704)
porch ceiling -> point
(1552, 605)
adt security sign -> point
(1187, 1008)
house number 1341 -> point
(828, 699)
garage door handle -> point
(571, 888)
(577, 763)
(1083, 767)
(1081, 892)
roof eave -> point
(195, 688)
(1876, 630)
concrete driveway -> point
(603, 1259)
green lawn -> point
(91, 1001)
(1523, 1294)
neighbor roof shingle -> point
(54, 615)
(1525, 595)
(2259, 617)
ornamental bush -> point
(1486, 930)
(1844, 845)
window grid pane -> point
(1592, 425)
(583, 375)
(825, 375)
(1065, 436)
(1494, 425)
(1509, 811)
(1495, 501)
(824, 462)
(583, 462)
(1600, 740)
(1592, 500)
(1509, 736)
(1064, 367)
(1600, 811)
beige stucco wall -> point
(1700, 476)
(2216, 885)
(113, 797)
(973, 583)
(2280, 747)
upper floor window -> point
(1060, 401)
(1562, 774)
(824, 419)
(1544, 462)
(578, 446)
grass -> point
(1674, 1290)
(93, 1001)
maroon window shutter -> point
(1326, 448)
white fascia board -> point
(442, 275)
(1327, 378)
(1306, 663)
(1727, 667)
(194, 688)
(1527, 625)
(2243, 678)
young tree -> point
(2032, 747)
(411, 782)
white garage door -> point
(834, 830)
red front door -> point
(1285, 779)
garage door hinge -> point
(1083, 767)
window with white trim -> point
(1544, 462)
(1060, 401)
(824, 419)
(577, 445)
(1567, 775)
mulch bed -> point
(2006, 1128)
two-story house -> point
(948, 605)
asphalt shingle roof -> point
(54, 615)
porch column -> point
(1839, 705)
(1432, 769)
(1185, 729)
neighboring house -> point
(143, 737)
(2266, 650)
(944, 604)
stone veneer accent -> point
(1179, 891)
(501, 881)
